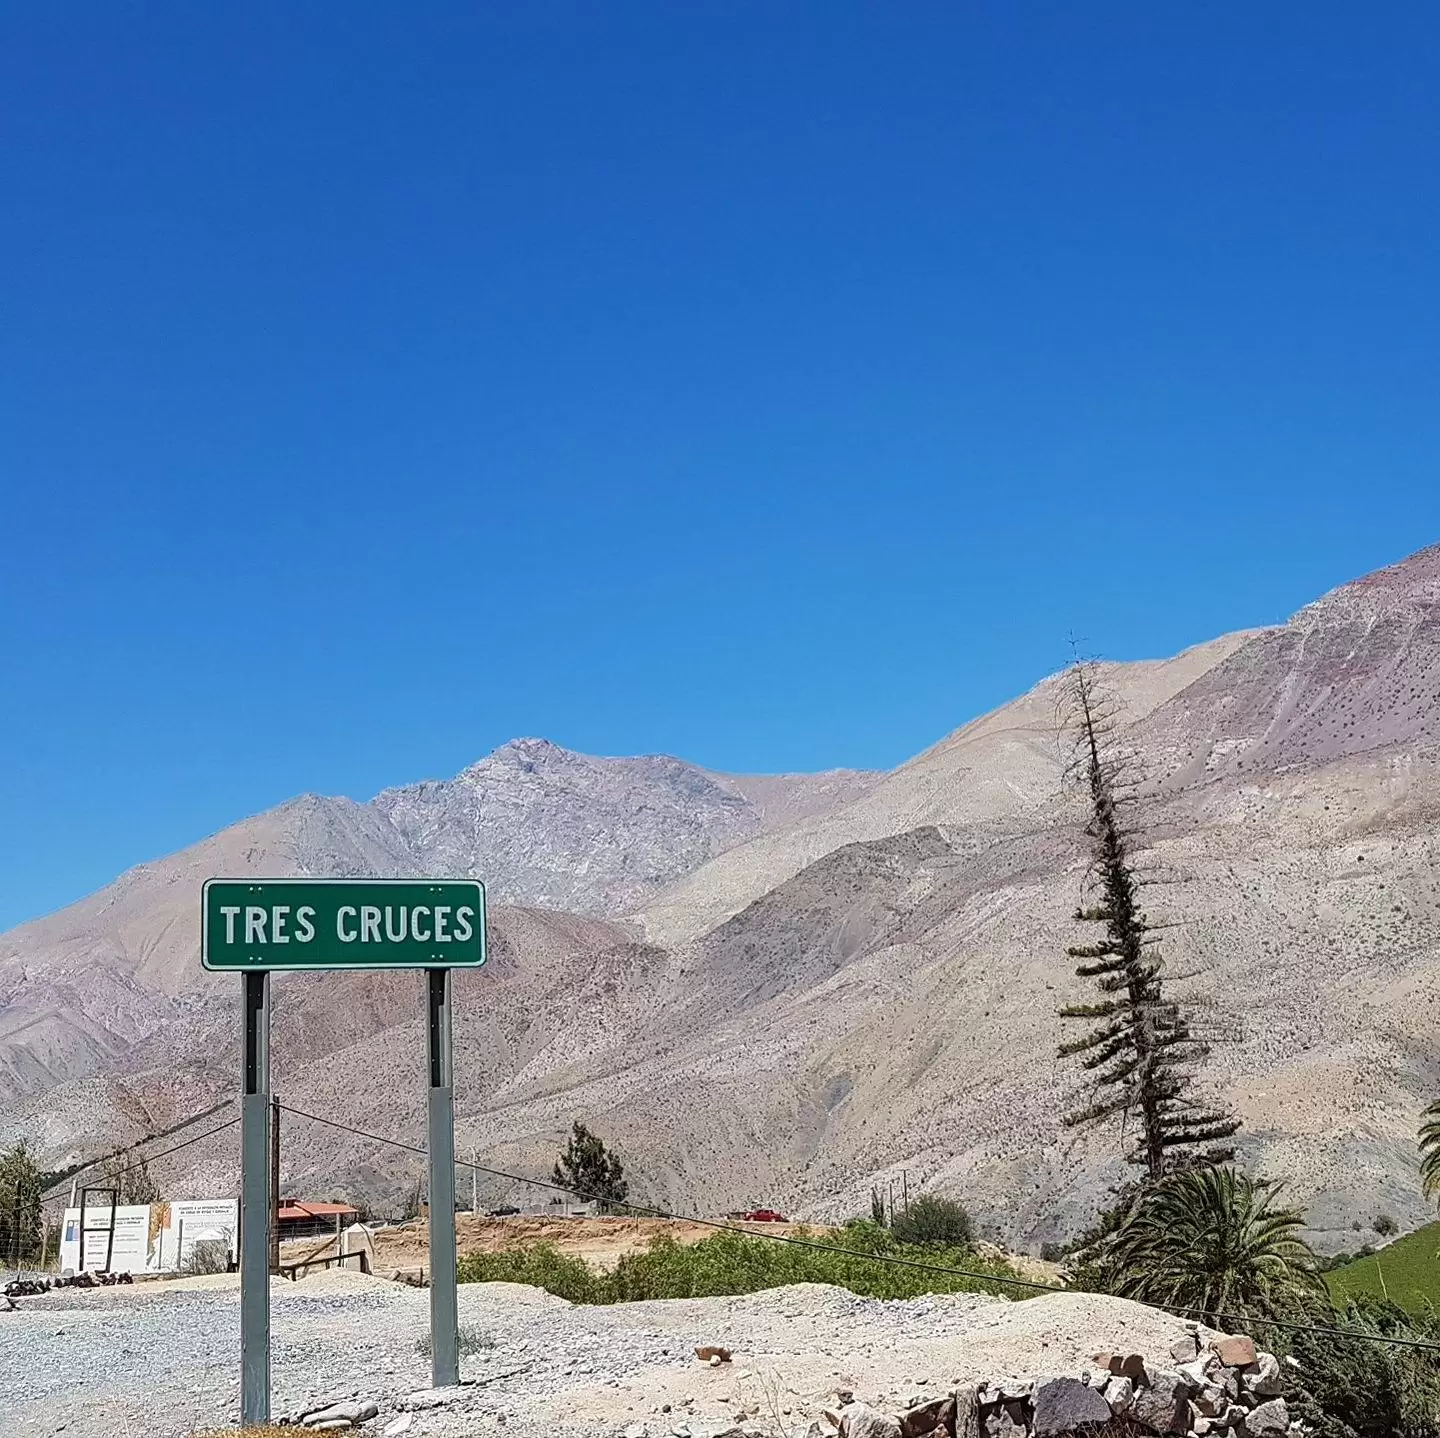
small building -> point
(297, 1218)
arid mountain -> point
(1005, 764)
(543, 826)
(870, 986)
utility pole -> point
(257, 1208)
(474, 1183)
(905, 1188)
(274, 1184)
(440, 1127)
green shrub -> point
(1384, 1225)
(540, 1266)
(1209, 1240)
(932, 1219)
(1347, 1388)
(732, 1263)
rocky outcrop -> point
(1218, 1386)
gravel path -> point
(162, 1360)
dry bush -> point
(208, 1255)
(265, 1430)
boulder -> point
(1271, 1419)
(1196, 1373)
(859, 1420)
(712, 1353)
(1007, 1420)
(967, 1411)
(1119, 1394)
(397, 1426)
(1128, 1365)
(1234, 1350)
(349, 1412)
(925, 1418)
(1186, 1349)
(1160, 1405)
(1211, 1401)
(1262, 1377)
(1064, 1404)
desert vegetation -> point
(731, 1263)
(1141, 1052)
(1211, 1241)
(21, 1230)
(591, 1171)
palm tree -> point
(1215, 1242)
(1430, 1149)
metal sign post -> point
(255, 1215)
(252, 926)
(444, 1310)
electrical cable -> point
(60, 1188)
(890, 1259)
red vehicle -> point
(764, 1215)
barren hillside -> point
(871, 987)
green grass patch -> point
(1407, 1272)
(732, 1263)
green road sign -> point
(342, 924)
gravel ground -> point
(162, 1360)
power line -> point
(884, 1258)
(62, 1186)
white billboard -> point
(148, 1237)
(197, 1220)
(131, 1248)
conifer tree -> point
(1140, 1051)
(20, 1212)
(588, 1168)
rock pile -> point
(336, 1416)
(1223, 1388)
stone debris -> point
(1262, 1378)
(399, 1425)
(424, 1398)
(1186, 1349)
(1119, 1394)
(337, 1416)
(1061, 1405)
(1234, 1351)
(925, 1419)
(1127, 1365)
(1226, 1389)
(859, 1420)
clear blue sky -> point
(777, 385)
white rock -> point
(859, 1420)
(1119, 1393)
(397, 1426)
